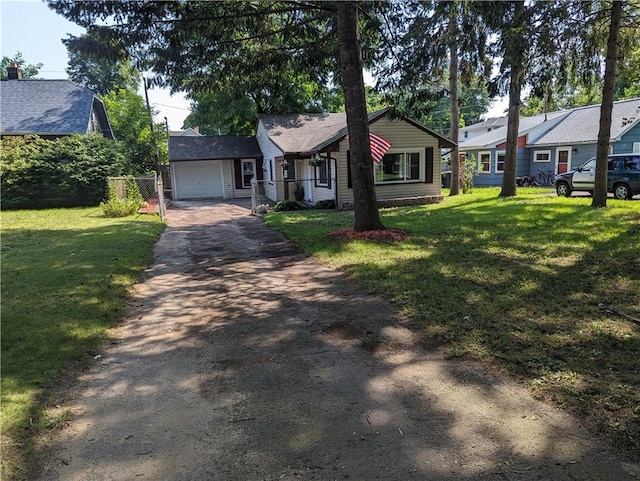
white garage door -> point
(198, 179)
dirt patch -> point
(243, 359)
(343, 330)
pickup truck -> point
(623, 177)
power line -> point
(170, 106)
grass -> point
(65, 277)
(517, 284)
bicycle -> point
(542, 178)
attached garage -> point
(200, 179)
(208, 167)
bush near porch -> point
(516, 284)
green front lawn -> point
(517, 283)
(65, 277)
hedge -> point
(65, 172)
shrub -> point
(286, 205)
(129, 205)
(65, 172)
(325, 204)
(467, 170)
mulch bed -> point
(388, 236)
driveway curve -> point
(242, 359)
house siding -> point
(318, 192)
(231, 189)
(625, 144)
(402, 135)
(270, 152)
(227, 176)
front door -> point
(563, 159)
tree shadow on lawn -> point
(484, 291)
(242, 360)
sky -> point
(30, 27)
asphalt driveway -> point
(242, 359)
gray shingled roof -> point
(211, 147)
(582, 124)
(499, 135)
(49, 107)
(303, 133)
(296, 133)
(579, 125)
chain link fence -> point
(146, 186)
(260, 201)
(150, 189)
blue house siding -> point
(625, 144)
(486, 178)
(494, 177)
(584, 153)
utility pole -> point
(159, 185)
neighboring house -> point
(185, 133)
(313, 150)
(553, 142)
(49, 108)
(474, 130)
(213, 166)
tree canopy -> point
(100, 74)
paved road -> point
(242, 359)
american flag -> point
(379, 147)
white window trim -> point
(316, 173)
(420, 178)
(558, 149)
(500, 152)
(480, 154)
(636, 148)
(535, 156)
(253, 162)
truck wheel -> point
(563, 189)
(622, 192)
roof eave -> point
(40, 134)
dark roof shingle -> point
(49, 107)
(213, 147)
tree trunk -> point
(453, 89)
(604, 133)
(513, 125)
(514, 54)
(364, 194)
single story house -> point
(312, 150)
(553, 142)
(49, 108)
